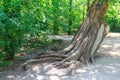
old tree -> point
(85, 42)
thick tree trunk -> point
(87, 39)
(90, 35)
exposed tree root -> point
(53, 55)
(24, 66)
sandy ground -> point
(106, 67)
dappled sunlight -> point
(111, 69)
(40, 77)
(106, 46)
(112, 50)
(104, 71)
(47, 66)
(99, 72)
(110, 46)
(54, 78)
(106, 67)
(81, 71)
(10, 76)
(37, 68)
(57, 71)
(113, 35)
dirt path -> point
(106, 67)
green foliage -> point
(11, 30)
(3, 62)
(17, 21)
(113, 16)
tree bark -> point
(88, 5)
(86, 40)
(90, 35)
(70, 18)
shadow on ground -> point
(106, 67)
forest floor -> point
(106, 67)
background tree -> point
(70, 17)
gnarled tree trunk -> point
(87, 39)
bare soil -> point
(106, 67)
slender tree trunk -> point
(70, 18)
(88, 5)
(86, 40)
(83, 12)
(55, 9)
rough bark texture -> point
(86, 41)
